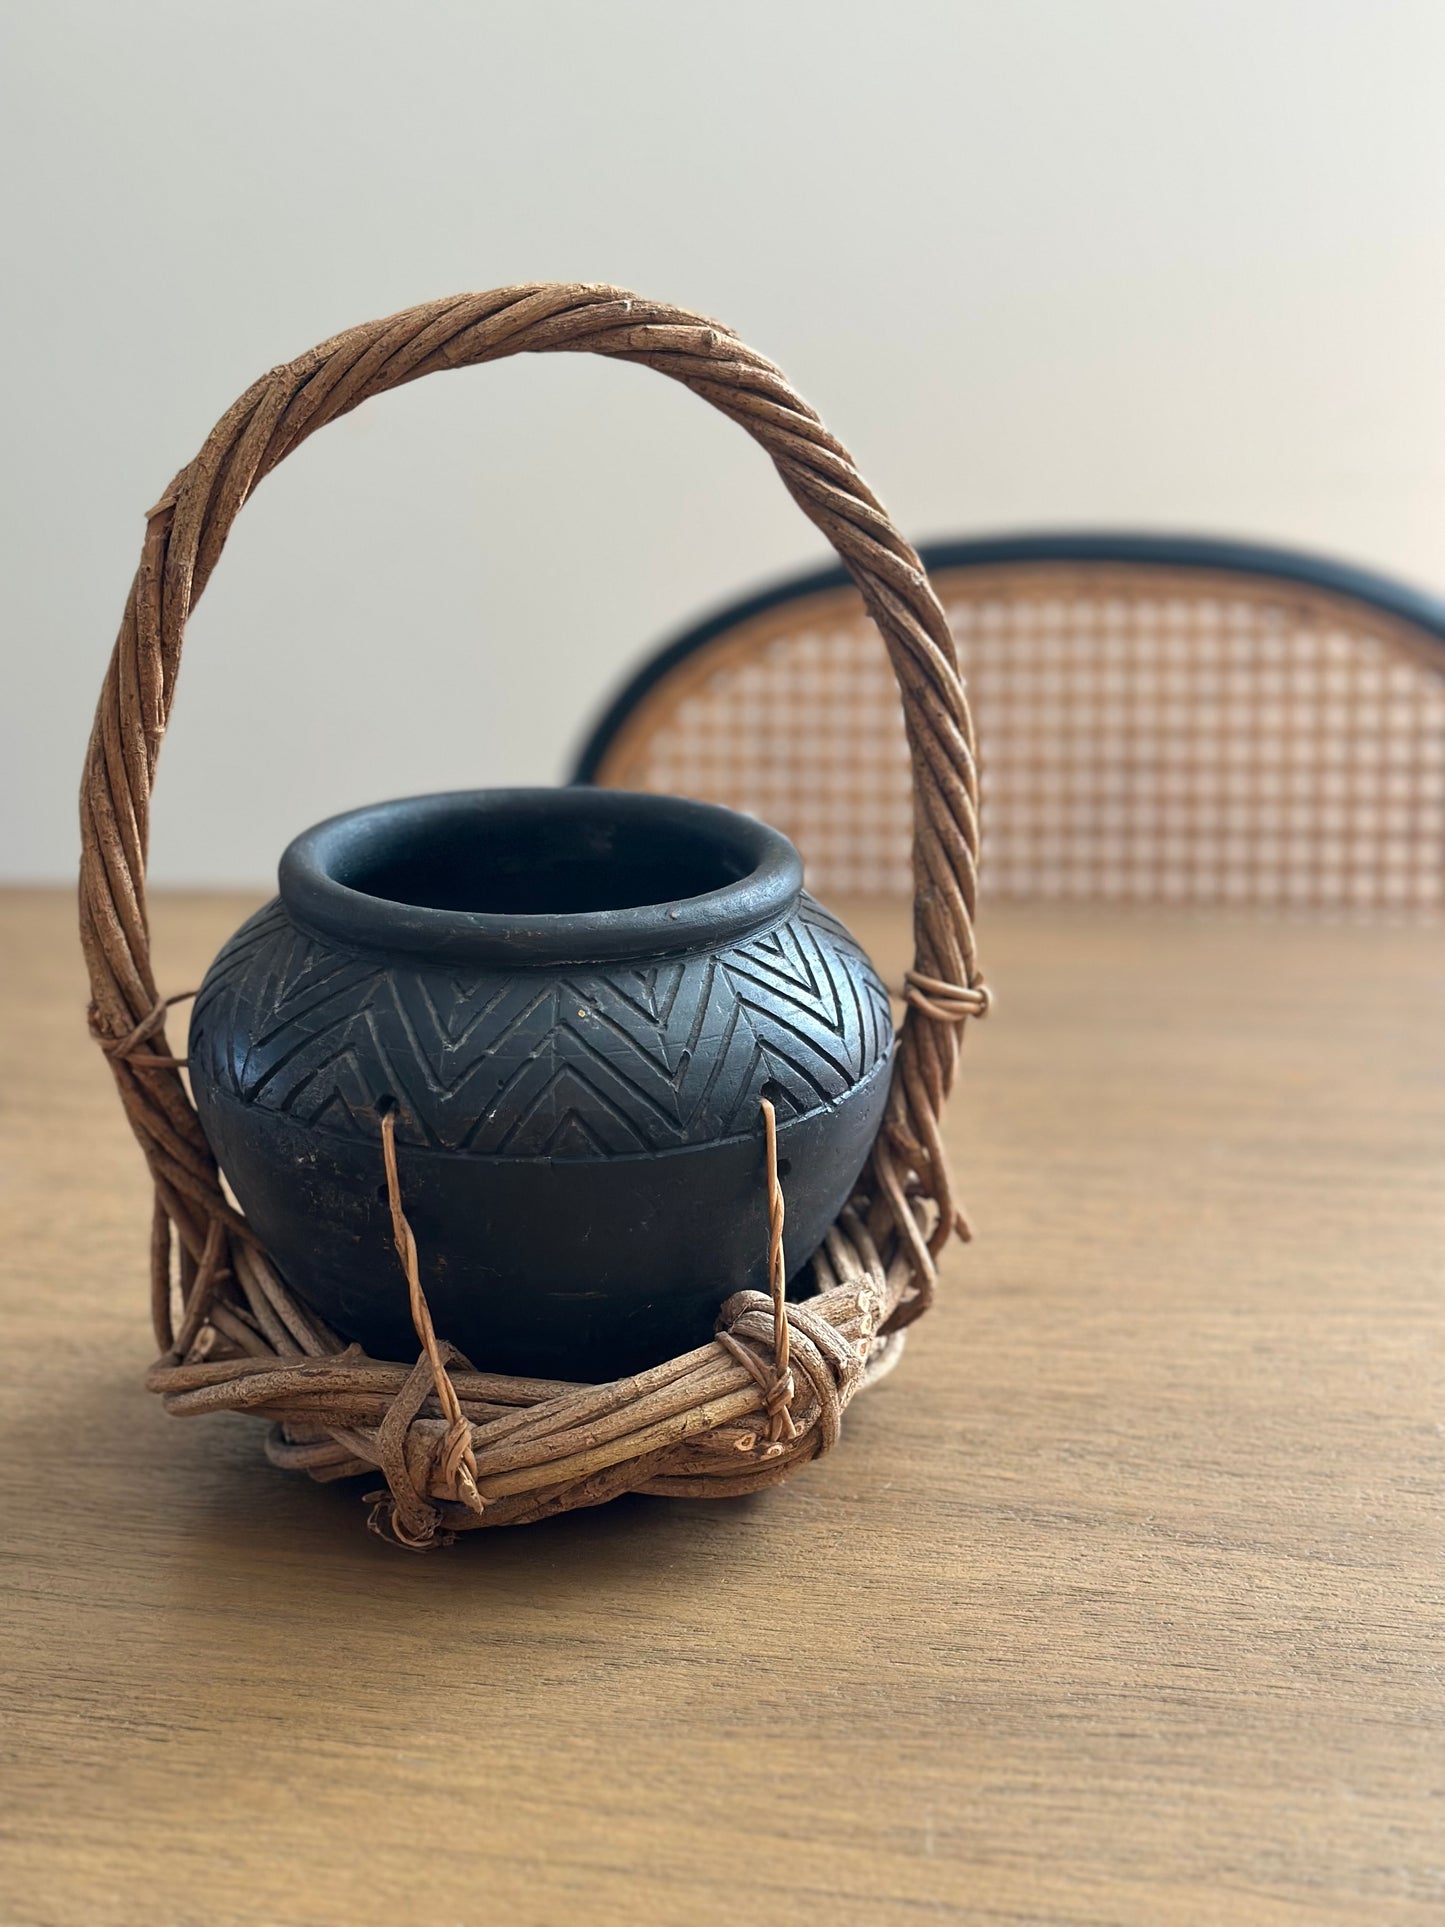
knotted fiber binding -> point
(468, 1446)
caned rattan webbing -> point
(481, 1448)
(1150, 733)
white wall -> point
(1163, 263)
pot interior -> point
(534, 864)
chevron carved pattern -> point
(577, 1061)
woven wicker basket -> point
(458, 1447)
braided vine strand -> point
(226, 1286)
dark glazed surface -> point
(579, 1143)
(584, 1268)
(576, 1061)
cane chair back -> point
(1160, 720)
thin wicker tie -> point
(945, 1002)
(402, 1512)
(778, 1385)
(127, 1048)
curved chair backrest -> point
(1161, 719)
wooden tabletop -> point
(1120, 1601)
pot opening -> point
(540, 875)
(547, 868)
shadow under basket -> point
(458, 1444)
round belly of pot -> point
(575, 1002)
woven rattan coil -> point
(456, 1446)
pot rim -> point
(318, 870)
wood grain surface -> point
(1121, 1601)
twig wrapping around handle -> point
(186, 531)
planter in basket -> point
(573, 1147)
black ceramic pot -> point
(575, 999)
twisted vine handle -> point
(185, 533)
